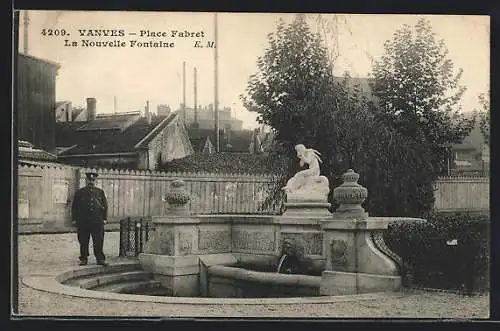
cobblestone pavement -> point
(39, 254)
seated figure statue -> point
(308, 184)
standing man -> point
(89, 213)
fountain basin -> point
(253, 242)
(57, 283)
(233, 282)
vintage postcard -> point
(197, 164)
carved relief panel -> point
(338, 253)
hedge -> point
(224, 163)
(449, 252)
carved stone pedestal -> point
(310, 200)
(353, 263)
(307, 209)
(169, 254)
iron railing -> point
(134, 233)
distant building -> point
(79, 114)
(36, 101)
(204, 118)
(64, 111)
(261, 141)
(230, 141)
(472, 156)
(163, 110)
(362, 84)
(255, 141)
(122, 140)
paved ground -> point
(39, 254)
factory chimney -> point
(184, 91)
(195, 124)
(148, 113)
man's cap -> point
(91, 175)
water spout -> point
(282, 259)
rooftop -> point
(28, 153)
(116, 122)
(232, 141)
(113, 134)
(31, 57)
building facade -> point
(204, 118)
(36, 101)
(472, 156)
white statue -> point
(307, 181)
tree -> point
(418, 92)
(294, 92)
(294, 84)
(484, 116)
(328, 27)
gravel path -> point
(40, 254)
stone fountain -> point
(206, 255)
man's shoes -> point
(104, 264)
(82, 262)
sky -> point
(136, 75)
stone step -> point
(120, 277)
(129, 286)
(92, 270)
(76, 281)
(157, 291)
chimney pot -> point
(69, 112)
(91, 108)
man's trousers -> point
(96, 231)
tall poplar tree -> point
(418, 91)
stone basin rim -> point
(328, 216)
(49, 283)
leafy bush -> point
(223, 163)
(449, 251)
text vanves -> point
(101, 32)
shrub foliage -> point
(448, 251)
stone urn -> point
(178, 198)
(350, 195)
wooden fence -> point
(462, 194)
(45, 193)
